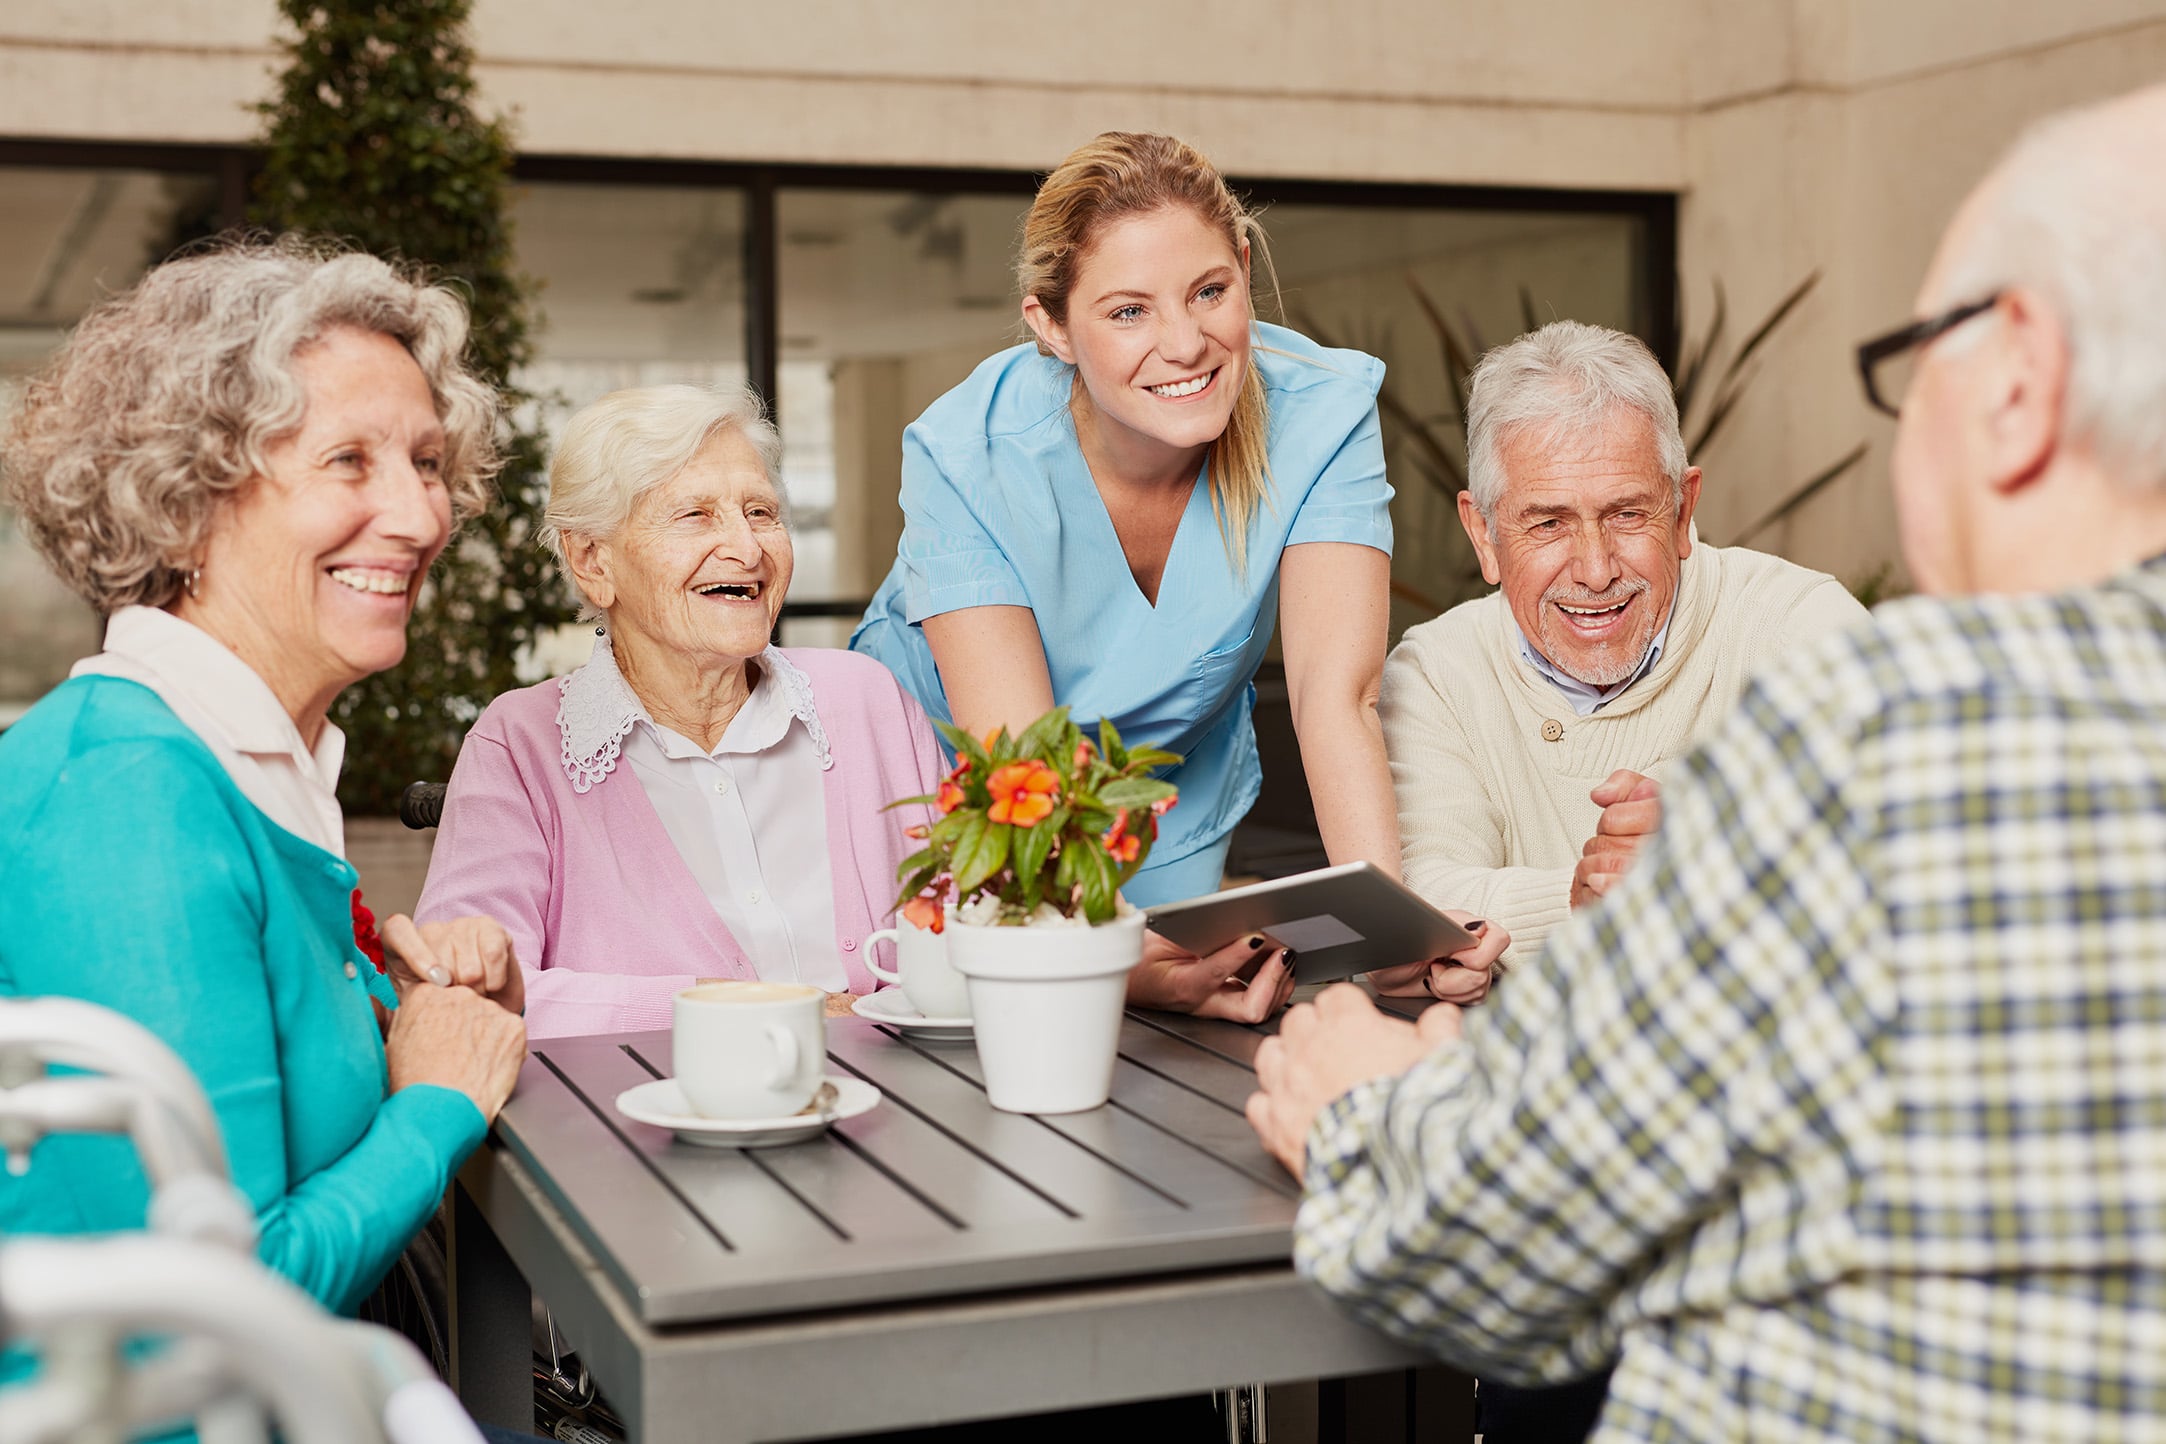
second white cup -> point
(749, 1049)
(922, 971)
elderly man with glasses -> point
(1843, 1116)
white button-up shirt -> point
(749, 817)
(223, 701)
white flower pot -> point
(1047, 1003)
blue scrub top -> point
(1000, 510)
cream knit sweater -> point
(1492, 813)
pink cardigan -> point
(608, 921)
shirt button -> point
(721, 786)
(753, 896)
(1552, 729)
(352, 971)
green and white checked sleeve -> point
(1672, 1112)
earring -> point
(601, 631)
(192, 582)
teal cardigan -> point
(134, 874)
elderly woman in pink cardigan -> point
(693, 803)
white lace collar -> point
(598, 710)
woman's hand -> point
(1175, 979)
(457, 1039)
(1463, 977)
(462, 953)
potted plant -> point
(1022, 874)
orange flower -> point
(1023, 793)
(924, 913)
(1120, 844)
(950, 798)
(918, 832)
(1083, 754)
(1164, 805)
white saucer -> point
(662, 1104)
(892, 1007)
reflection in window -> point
(70, 238)
(888, 298)
(638, 286)
(1349, 276)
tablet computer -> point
(1338, 920)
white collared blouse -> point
(749, 817)
(226, 703)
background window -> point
(887, 299)
(71, 237)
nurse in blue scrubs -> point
(1112, 516)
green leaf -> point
(1042, 737)
(923, 800)
(923, 857)
(1034, 844)
(964, 745)
(915, 884)
(1100, 883)
(981, 853)
(1153, 757)
(1109, 744)
(1135, 793)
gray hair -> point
(1566, 377)
(2076, 213)
(160, 406)
(615, 451)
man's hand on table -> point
(470, 952)
(1462, 978)
(1174, 979)
(1631, 812)
(1325, 1048)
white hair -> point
(629, 442)
(1565, 378)
(2077, 213)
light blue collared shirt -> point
(1585, 697)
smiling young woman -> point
(1059, 508)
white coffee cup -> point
(749, 1049)
(922, 971)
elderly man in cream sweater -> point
(1526, 729)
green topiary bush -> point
(373, 138)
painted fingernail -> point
(1287, 956)
(1477, 925)
(1255, 941)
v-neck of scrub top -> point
(1199, 494)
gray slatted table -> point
(933, 1260)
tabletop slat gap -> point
(1286, 1187)
(1147, 1021)
(752, 1156)
(641, 1059)
(902, 1183)
(1068, 1137)
(1113, 1163)
(698, 1214)
(1185, 1087)
(888, 1096)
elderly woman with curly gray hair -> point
(247, 463)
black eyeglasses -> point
(1886, 362)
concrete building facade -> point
(1608, 159)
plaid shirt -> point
(1844, 1118)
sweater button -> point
(849, 945)
(1552, 729)
(352, 971)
